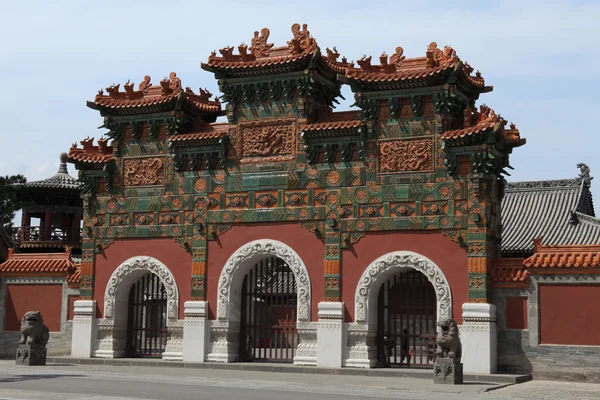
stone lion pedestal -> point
(447, 368)
(34, 337)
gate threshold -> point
(277, 367)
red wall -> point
(516, 313)
(71, 313)
(449, 256)
(310, 249)
(166, 250)
(569, 314)
(46, 299)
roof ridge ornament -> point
(584, 174)
(259, 46)
(435, 55)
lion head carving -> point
(448, 340)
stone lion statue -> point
(448, 342)
(33, 330)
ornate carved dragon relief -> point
(144, 171)
(268, 142)
(412, 155)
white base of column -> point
(84, 328)
(479, 338)
(195, 331)
(330, 335)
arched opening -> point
(406, 320)
(268, 312)
(147, 333)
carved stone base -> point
(446, 371)
(31, 354)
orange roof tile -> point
(89, 153)
(398, 68)
(476, 122)
(209, 131)
(38, 263)
(262, 54)
(168, 92)
(509, 272)
(567, 257)
(336, 120)
(74, 279)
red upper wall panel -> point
(568, 314)
(44, 298)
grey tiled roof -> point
(62, 180)
(561, 212)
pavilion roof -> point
(153, 98)
(61, 181)
(560, 212)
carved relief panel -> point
(144, 171)
(267, 141)
(406, 155)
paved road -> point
(67, 382)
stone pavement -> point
(70, 382)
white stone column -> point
(84, 328)
(479, 338)
(195, 331)
(330, 335)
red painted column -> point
(74, 236)
(47, 225)
(25, 224)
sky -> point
(541, 57)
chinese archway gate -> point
(268, 315)
(147, 333)
(406, 321)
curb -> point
(392, 373)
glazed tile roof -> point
(74, 279)
(89, 153)
(38, 263)
(337, 120)
(509, 272)
(262, 57)
(399, 69)
(561, 212)
(155, 98)
(556, 257)
(61, 181)
(479, 122)
(208, 131)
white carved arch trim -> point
(232, 276)
(385, 266)
(128, 273)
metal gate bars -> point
(147, 333)
(406, 329)
(268, 315)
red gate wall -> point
(166, 250)
(447, 255)
(310, 249)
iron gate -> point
(406, 320)
(147, 333)
(268, 317)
